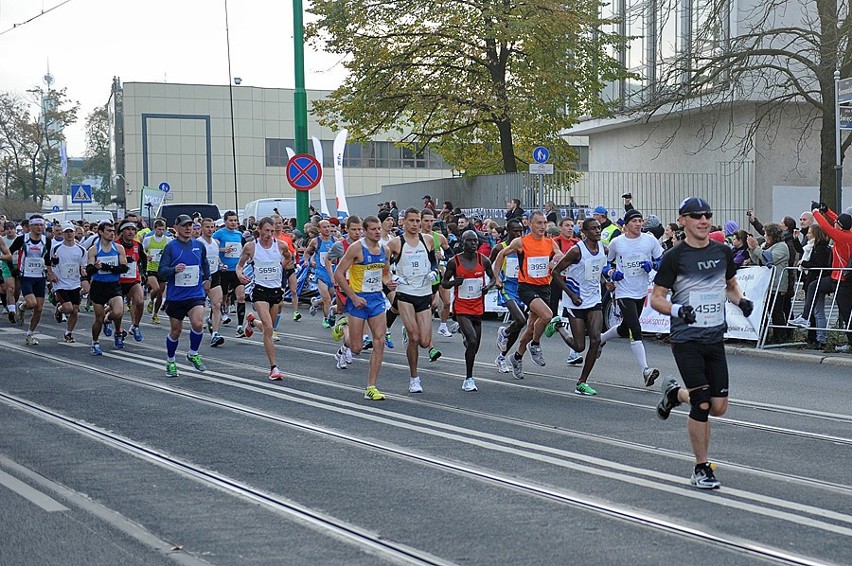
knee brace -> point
(698, 397)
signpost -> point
(303, 172)
(541, 168)
(842, 121)
(81, 194)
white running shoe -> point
(454, 327)
(347, 355)
(517, 367)
(502, 364)
(414, 385)
(469, 385)
(536, 355)
(650, 375)
(444, 331)
(502, 339)
(799, 321)
(341, 360)
(574, 359)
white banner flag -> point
(339, 147)
(319, 156)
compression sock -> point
(195, 341)
(241, 313)
(639, 351)
(171, 348)
(610, 334)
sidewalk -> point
(836, 359)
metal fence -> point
(730, 190)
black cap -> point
(845, 221)
(383, 215)
(694, 204)
(182, 220)
(631, 214)
(427, 197)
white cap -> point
(68, 226)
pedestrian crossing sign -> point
(81, 194)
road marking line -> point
(31, 494)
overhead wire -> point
(42, 13)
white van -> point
(90, 216)
(265, 207)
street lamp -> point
(231, 98)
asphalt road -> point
(104, 460)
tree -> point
(481, 81)
(781, 56)
(97, 165)
(29, 146)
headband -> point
(36, 221)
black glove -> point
(823, 208)
(746, 306)
(91, 269)
(814, 205)
(687, 313)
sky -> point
(85, 43)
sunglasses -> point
(699, 215)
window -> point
(373, 154)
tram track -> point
(551, 493)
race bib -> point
(213, 264)
(69, 271)
(267, 271)
(537, 266)
(593, 269)
(418, 265)
(131, 270)
(372, 281)
(154, 255)
(111, 260)
(471, 288)
(709, 308)
(632, 265)
(233, 250)
(34, 267)
(511, 269)
(322, 256)
(188, 277)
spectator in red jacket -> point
(839, 229)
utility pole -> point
(300, 105)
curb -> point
(827, 359)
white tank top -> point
(412, 270)
(585, 276)
(267, 265)
(212, 251)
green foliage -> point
(97, 165)
(482, 82)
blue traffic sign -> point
(55, 208)
(303, 172)
(541, 154)
(81, 194)
(165, 187)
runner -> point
(465, 274)
(34, 249)
(231, 243)
(212, 286)
(416, 270)
(105, 264)
(131, 282)
(508, 296)
(268, 257)
(700, 275)
(441, 246)
(68, 263)
(8, 267)
(585, 264)
(534, 262)
(317, 251)
(636, 254)
(366, 263)
(335, 254)
(564, 242)
(153, 244)
(283, 234)
(184, 266)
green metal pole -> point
(300, 105)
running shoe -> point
(347, 355)
(799, 321)
(155, 318)
(843, 348)
(444, 331)
(137, 334)
(665, 406)
(297, 316)
(367, 342)
(216, 340)
(241, 332)
(171, 369)
(249, 327)
(517, 367)
(107, 329)
(502, 364)
(57, 316)
(150, 307)
(275, 337)
(275, 374)
(388, 341)
(414, 385)
(196, 361)
(704, 478)
(340, 358)
(226, 319)
(69, 338)
(119, 340)
(650, 375)
(404, 336)
(600, 349)
(209, 322)
(96, 349)
(12, 317)
(31, 340)
(315, 302)
(374, 394)
(434, 354)
(536, 355)
(337, 329)
(502, 339)
(550, 328)
(454, 327)
(574, 359)
(469, 385)
(326, 323)
(584, 388)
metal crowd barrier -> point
(798, 304)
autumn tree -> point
(481, 81)
(781, 56)
(97, 164)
